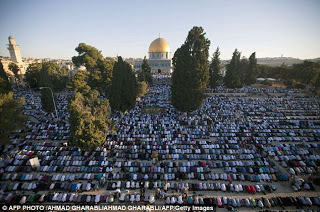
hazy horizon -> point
(53, 29)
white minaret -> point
(14, 51)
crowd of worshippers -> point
(192, 200)
(235, 123)
(71, 160)
(44, 125)
(223, 146)
(248, 89)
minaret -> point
(14, 50)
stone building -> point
(159, 57)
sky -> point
(53, 29)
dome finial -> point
(159, 34)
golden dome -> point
(159, 45)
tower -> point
(14, 50)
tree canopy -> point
(16, 71)
(293, 76)
(89, 112)
(145, 73)
(232, 78)
(5, 86)
(241, 71)
(88, 120)
(142, 88)
(123, 90)
(14, 68)
(252, 70)
(215, 69)
(47, 73)
(33, 74)
(11, 117)
(79, 83)
(99, 68)
(317, 82)
(305, 72)
(47, 81)
(88, 56)
(191, 72)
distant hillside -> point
(278, 61)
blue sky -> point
(45, 28)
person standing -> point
(157, 194)
(184, 191)
(165, 186)
(141, 187)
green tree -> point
(253, 70)
(88, 56)
(243, 70)
(266, 71)
(145, 73)
(33, 73)
(232, 78)
(317, 82)
(88, 120)
(305, 72)
(5, 86)
(285, 72)
(16, 71)
(295, 76)
(215, 69)
(191, 72)
(47, 74)
(46, 95)
(47, 101)
(107, 74)
(142, 88)
(36, 72)
(11, 117)
(79, 83)
(51, 76)
(99, 68)
(61, 78)
(123, 90)
(14, 68)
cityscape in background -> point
(189, 106)
(24, 62)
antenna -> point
(159, 34)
